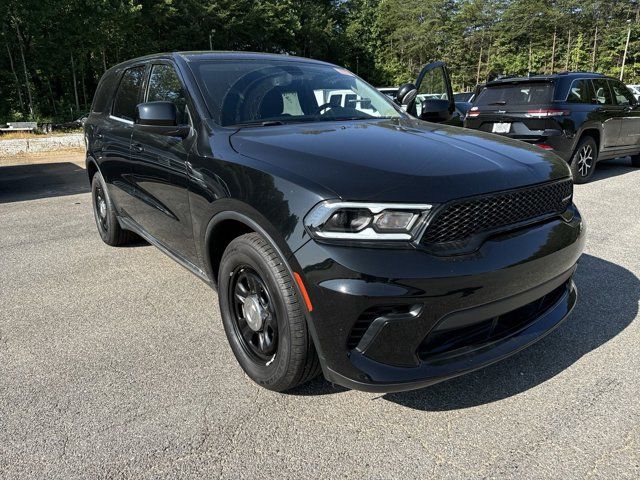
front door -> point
(160, 170)
(630, 120)
(434, 101)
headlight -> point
(366, 221)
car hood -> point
(399, 160)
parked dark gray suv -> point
(582, 117)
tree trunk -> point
(479, 65)
(84, 90)
(595, 46)
(53, 100)
(553, 50)
(529, 65)
(15, 76)
(626, 48)
(104, 60)
(566, 64)
(24, 66)
(75, 83)
(488, 59)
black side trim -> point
(129, 224)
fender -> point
(255, 223)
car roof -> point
(220, 55)
(545, 78)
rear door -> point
(630, 120)
(115, 138)
(518, 109)
(608, 113)
(160, 169)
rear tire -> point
(635, 160)
(263, 315)
(105, 215)
(583, 161)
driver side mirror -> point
(406, 94)
(160, 118)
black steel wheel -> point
(254, 314)
(263, 315)
(100, 208)
(105, 215)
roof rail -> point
(566, 72)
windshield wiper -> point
(344, 119)
(270, 123)
(265, 123)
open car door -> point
(432, 96)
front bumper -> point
(399, 319)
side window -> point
(165, 86)
(124, 104)
(103, 94)
(602, 92)
(580, 92)
(621, 93)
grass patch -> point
(33, 135)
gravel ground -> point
(114, 364)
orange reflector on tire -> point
(303, 290)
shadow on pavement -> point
(42, 180)
(608, 297)
(612, 168)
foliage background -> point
(53, 53)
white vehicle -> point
(389, 91)
(635, 89)
(344, 98)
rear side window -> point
(103, 94)
(602, 92)
(524, 93)
(581, 91)
(124, 104)
(165, 86)
(621, 93)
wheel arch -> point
(91, 167)
(592, 132)
(227, 225)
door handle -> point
(136, 147)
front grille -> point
(460, 220)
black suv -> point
(582, 117)
(388, 252)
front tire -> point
(263, 315)
(105, 215)
(584, 159)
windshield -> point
(524, 93)
(248, 92)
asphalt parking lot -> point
(114, 364)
